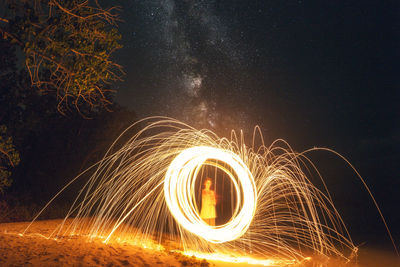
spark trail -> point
(146, 188)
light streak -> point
(145, 189)
(179, 193)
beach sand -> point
(34, 249)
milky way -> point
(296, 68)
(188, 43)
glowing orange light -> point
(239, 259)
(179, 190)
(144, 189)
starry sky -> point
(315, 73)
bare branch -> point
(6, 154)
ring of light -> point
(179, 193)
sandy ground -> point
(33, 249)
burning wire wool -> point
(145, 188)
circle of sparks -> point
(144, 188)
(179, 188)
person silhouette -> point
(207, 212)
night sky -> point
(315, 73)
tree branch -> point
(7, 155)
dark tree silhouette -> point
(67, 47)
(9, 158)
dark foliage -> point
(66, 48)
(50, 147)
